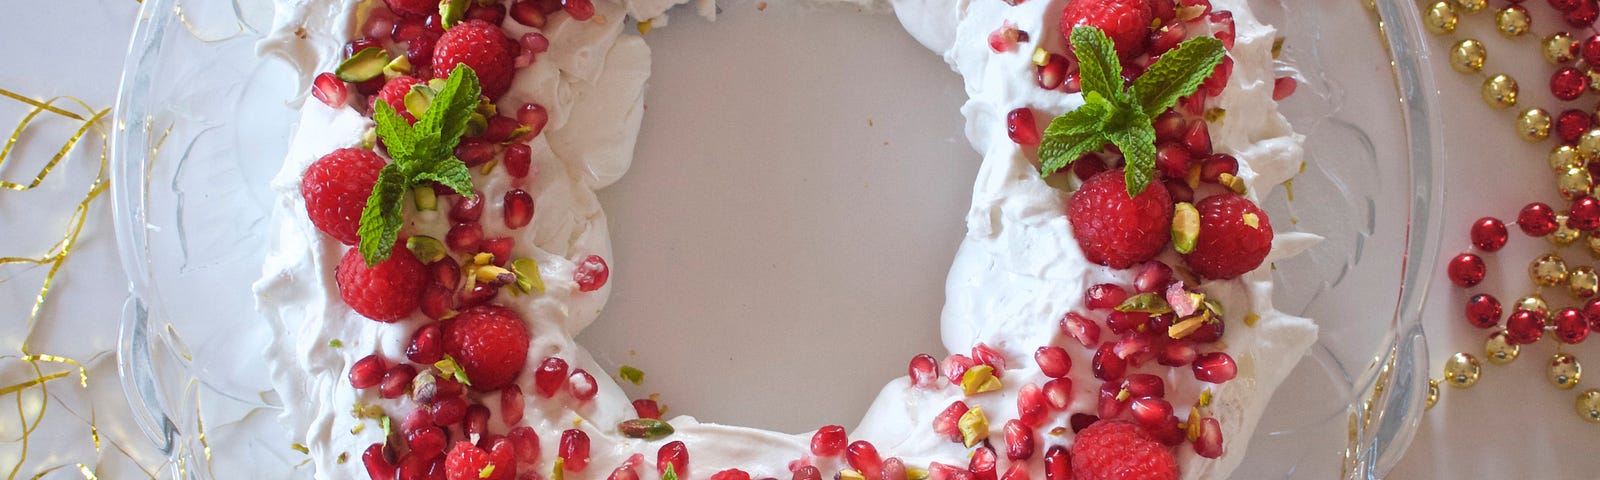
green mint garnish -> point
(1122, 117)
(422, 153)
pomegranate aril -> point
(1104, 296)
(956, 366)
(986, 355)
(396, 380)
(1021, 127)
(1209, 443)
(479, 294)
(1571, 326)
(894, 469)
(446, 274)
(1081, 328)
(983, 464)
(582, 385)
(807, 472)
(511, 403)
(550, 377)
(425, 347)
(535, 43)
(447, 388)
(379, 467)
(1172, 160)
(368, 372)
(519, 160)
(829, 441)
(924, 371)
(534, 116)
(428, 440)
(1057, 464)
(1197, 138)
(1053, 361)
(1524, 327)
(1144, 385)
(863, 457)
(1087, 166)
(1212, 168)
(527, 13)
(581, 10)
(467, 209)
(1107, 365)
(1466, 270)
(437, 302)
(1150, 411)
(1153, 276)
(1483, 311)
(1179, 190)
(476, 422)
(415, 420)
(492, 14)
(448, 411)
(1167, 37)
(500, 248)
(1283, 87)
(1124, 322)
(624, 472)
(1058, 393)
(947, 423)
(1222, 21)
(591, 274)
(1032, 408)
(475, 153)
(1537, 219)
(414, 466)
(518, 209)
(1177, 354)
(574, 450)
(731, 474)
(1080, 421)
(1215, 367)
(647, 408)
(526, 441)
(940, 471)
(464, 238)
(1019, 440)
(676, 455)
(1054, 72)
(1208, 332)
(329, 90)
(1110, 403)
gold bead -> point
(1533, 304)
(1461, 370)
(1433, 393)
(1564, 158)
(1548, 270)
(1589, 405)
(1467, 56)
(1533, 124)
(1594, 76)
(1499, 350)
(1500, 91)
(1589, 145)
(1594, 246)
(1564, 235)
(1471, 6)
(1564, 371)
(1512, 21)
(1560, 48)
(1573, 183)
(1583, 282)
(1440, 18)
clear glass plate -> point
(203, 123)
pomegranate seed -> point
(828, 441)
(427, 441)
(500, 248)
(982, 464)
(446, 388)
(1283, 87)
(1153, 276)
(437, 303)
(1021, 127)
(1054, 72)
(1088, 166)
(1172, 160)
(1019, 440)
(526, 440)
(987, 355)
(731, 474)
(551, 375)
(1032, 407)
(947, 423)
(940, 471)
(647, 408)
(396, 380)
(535, 43)
(1524, 327)
(1212, 168)
(1058, 393)
(894, 469)
(1483, 311)
(329, 90)
(582, 385)
(415, 420)
(1537, 220)
(1170, 126)
(474, 152)
(379, 466)
(467, 209)
(1053, 361)
(581, 10)
(1466, 270)
(1057, 464)
(1224, 20)
(1104, 296)
(1107, 365)
(1107, 404)
(519, 160)
(368, 372)
(448, 411)
(626, 471)
(1209, 444)
(1144, 385)
(446, 274)
(1179, 191)
(1081, 328)
(1215, 367)
(1572, 326)
(1150, 411)
(464, 237)
(591, 274)
(863, 457)
(1193, 105)
(1572, 123)
(414, 466)
(479, 294)
(492, 14)
(1177, 354)
(1198, 139)
(1124, 322)
(425, 347)
(807, 472)
(924, 371)
(1208, 332)
(676, 455)
(527, 13)
(420, 52)
(574, 450)
(518, 209)
(476, 422)
(511, 404)
(955, 367)
(534, 116)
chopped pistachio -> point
(427, 249)
(401, 65)
(300, 448)
(632, 375)
(487, 471)
(1148, 302)
(1041, 57)
(483, 258)
(558, 470)
(335, 343)
(449, 368)
(974, 427)
(493, 274)
(979, 379)
(851, 474)
(418, 100)
(528, 280)
(1205, 398)
(1250, 319)
(369, 139)
(1252, 220)
(1185, 227)
(365, 65)
(1186, 327)
(425, 198)
(476, 124)
(1123, 395)
(343, 457)
(450, 13)
(1233, 183)
(644, 27)
(1215, 114)
(646, 428)
(914, 473)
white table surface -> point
(1513, 424)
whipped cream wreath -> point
(1017, 272)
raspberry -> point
(1127, 22)
(413, 8)
(490, 343)
(386, 292)
(467, 462)
(483, 47)
(1235, 237)
(336, 188)
(394, 93)
(1115, 230)
(1116, 450)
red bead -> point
(1483, 310)
(1564, 5)
(1537, 219)
(1489, 234)
(1590, 49)
(1572, 326)
(1021, 127)
(1569, 83)
(1584, 214)
(1591, 310)
(1573, 123)
(1524, 327)
(1584, 15)
(1466, 270)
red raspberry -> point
(336, 188)
(386, 292)
(491, 344)
(466, 462)
(413, 8)
(1235, 237)
(1115, 230)
(1127, 22)
(394, 93)
(1109, 450)
(483, 47)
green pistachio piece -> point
(427, 249)
(425, 198)
(1185, 227)
(397, 67)
(451, 11)
(365, 65)
(1150, 303)
(527, 272)
(418, 100)
(646, 428)
(477, 124)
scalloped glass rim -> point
(159, 377)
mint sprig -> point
(1123, 117)
(422, 153)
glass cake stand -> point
(202, 124)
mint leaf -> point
(381, 219)
(1099, 71)
(1179, 72)
(1138, 146)
(449, 172)
(399, 138)
(1056, 153)
(1073, 134)
(452, 108)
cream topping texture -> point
(1017, 272)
